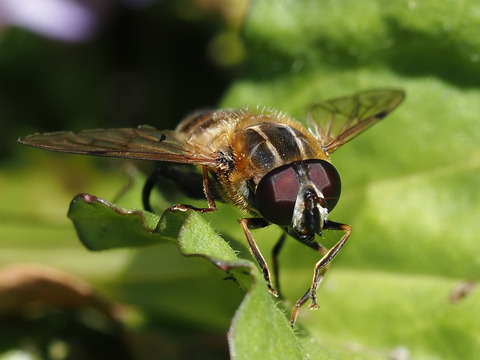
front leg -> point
(257, 223)
(321, 267)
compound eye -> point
(276, 194)
(326, 179)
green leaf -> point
(103, 226)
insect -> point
(264, 162)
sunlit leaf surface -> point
(258, 317)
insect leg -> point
(275, 252)
(187, 181)
(321, 266)
(130, 171)
(322, 250)
(148, 187)
(257, 223)
(208, 195)
(325, 260)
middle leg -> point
(276, 269)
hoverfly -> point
(264, 162)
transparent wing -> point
(339, 120)
(144, 142)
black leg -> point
(148, 187)
(275, 252)
(187, 181)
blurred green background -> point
(403, 287)
(128, 63)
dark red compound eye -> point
(326, 178)
(276, 194)
(277, 191)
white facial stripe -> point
(300, 206)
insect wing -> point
(144, 142)
(339, 120)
